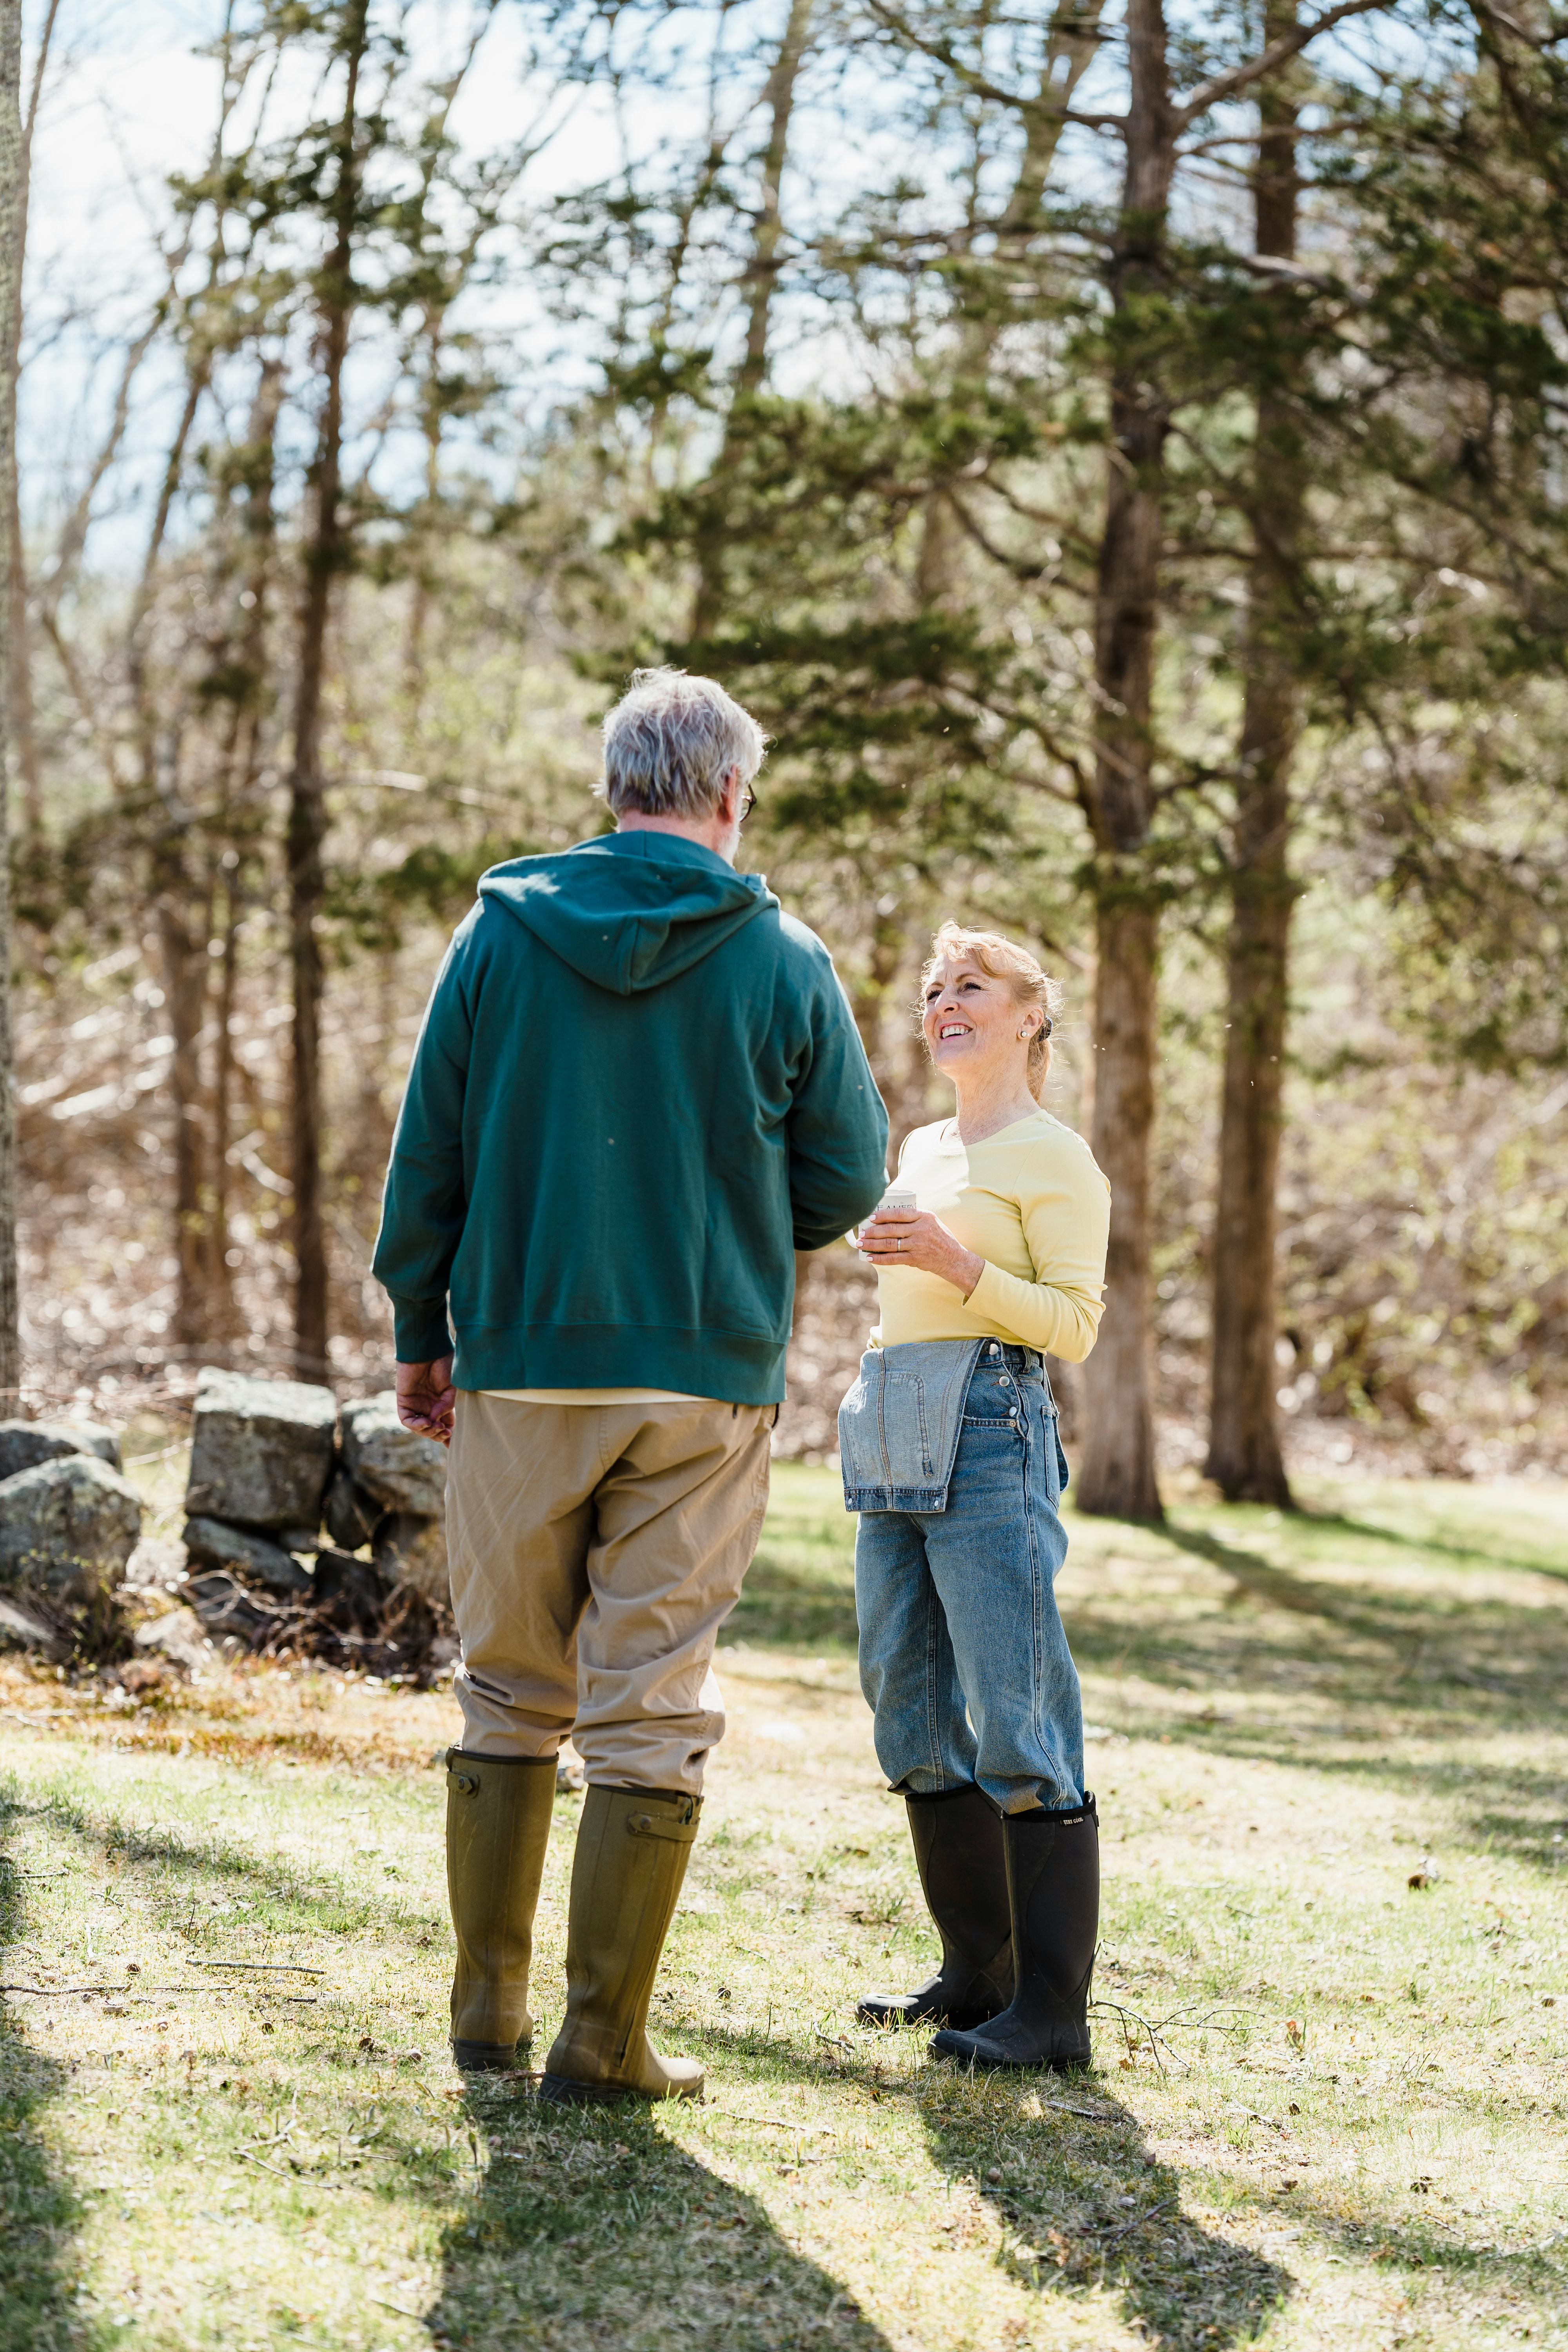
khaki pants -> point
(596, 1550)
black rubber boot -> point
(1053, 1887)
(957, 1837)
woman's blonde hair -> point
(1002, 958)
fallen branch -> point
(262, 1968)
(1136, 2223)
(57, 1993)
(1141, 2022)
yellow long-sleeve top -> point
(1032, 1202)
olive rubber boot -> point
(957, 1836)
(497, 1827)
(1053, 1885)
(632, 1851)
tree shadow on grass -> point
(38, 2213)
(1444, 1669)
(1505, 2275)
(1368, 1647)
(592, 2228)
(176, 1864)
(1405, 1645)
(1530, 1562)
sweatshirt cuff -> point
(983, 1298)
(1010, 1304)
(419, 1329)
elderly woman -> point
(990, 1254)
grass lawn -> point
(1329, 2096)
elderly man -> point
(638, 1090)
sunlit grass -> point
(1327, 2108)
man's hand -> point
(915, 1237)
(425, 1398)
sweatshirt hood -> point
(628, 910)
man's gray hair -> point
(671, 741)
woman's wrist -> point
(967, 1275)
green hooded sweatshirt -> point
(637, 1091)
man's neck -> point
(709, 833)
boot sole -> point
(986, 2062)
(564, 2091)
(487, 2057)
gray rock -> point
(250, 1556)
(351, 1593)
(157, 1565)
(261, 1451)
(24, 1443)
(92, 1438)
(177, 1636)
(66, 1529)
(227, 1612)
(24, 1629)
(411, 1550)
(402, 1471)
(350, 1514)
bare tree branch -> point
(1275, 54)
(943, 54)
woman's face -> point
(971, 1022)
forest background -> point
(1118, 453)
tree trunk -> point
(19, 665)
(1245, 1458)
(324, 559)
(11, 170)
(181, 909)
(1116, 1479)
(237, 817)
(779, 99)
(183, 921)
(221, 1319)
(423, 567)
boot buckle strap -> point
(660, 1825)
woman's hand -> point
(915, 1237)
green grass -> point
(1327, 2108)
